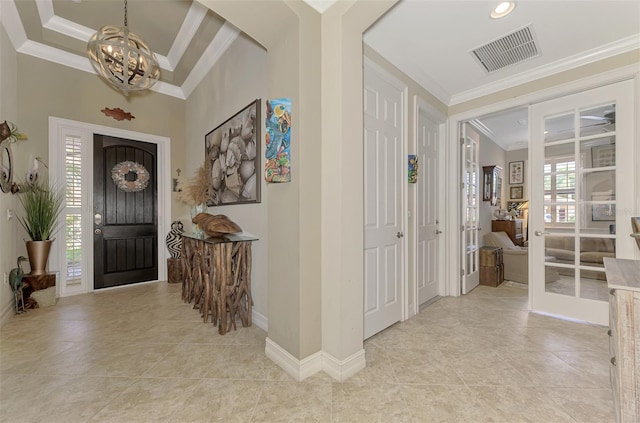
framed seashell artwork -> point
(233, 152)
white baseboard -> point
(260, 320)
(340, 370)
(298, 369)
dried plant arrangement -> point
(195, 190)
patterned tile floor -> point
(138, 354)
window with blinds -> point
(73, 209)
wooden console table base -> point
(217, 279)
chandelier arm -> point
(111, 58)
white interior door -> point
(470, 209)
(582, 198)
(427, 208)
(384, 168)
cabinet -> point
(492, 184)
(623, 278)
(491, 266)
(513, 228)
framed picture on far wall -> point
(516, 172)
(517, 193)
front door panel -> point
(125, 216)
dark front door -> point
(125, 211)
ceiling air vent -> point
(506, 51)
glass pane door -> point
(470, 208)
(576, 199)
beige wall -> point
(46, 89)
(490, 154)
(8, 229)
(520, 155)
(293, 225)
(236, 80)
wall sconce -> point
(175, 181)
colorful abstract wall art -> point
(277, 166)
(413, 169)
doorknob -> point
(97, 219)
(540, 233)
(438, 231)
(399, 235)
(97, 231)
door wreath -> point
(120, 170)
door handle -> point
(97, 231)
(438, 231)
(635, 235)
(540, 233)
(399, 235)
(479, 229)
(97, 219)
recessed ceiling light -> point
(503, 9)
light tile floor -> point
(138, 354)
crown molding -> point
(320, 5)
(13, 25)
(196, 14)
(609, 50)
(63, 26)
(71, 29)
(220, 43)
(81, 63)
(10, 19)
(55, 55)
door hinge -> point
(461, 185)
(461, 228)
(461, 272)
(461, 141)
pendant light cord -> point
(125, 13)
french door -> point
(583, 192)
(470, 208)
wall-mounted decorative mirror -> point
(6, 166)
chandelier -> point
(122, 58)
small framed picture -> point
(517, 193)
(516, 172)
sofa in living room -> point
(516, 259)
(592, 252)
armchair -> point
(516, 259)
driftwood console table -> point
(217, 278)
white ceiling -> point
(429, 40)
(436, 37)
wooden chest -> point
(492, 275)
(490, 256)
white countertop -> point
(623, 273)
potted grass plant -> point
(42, 203)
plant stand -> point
(33, 283)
